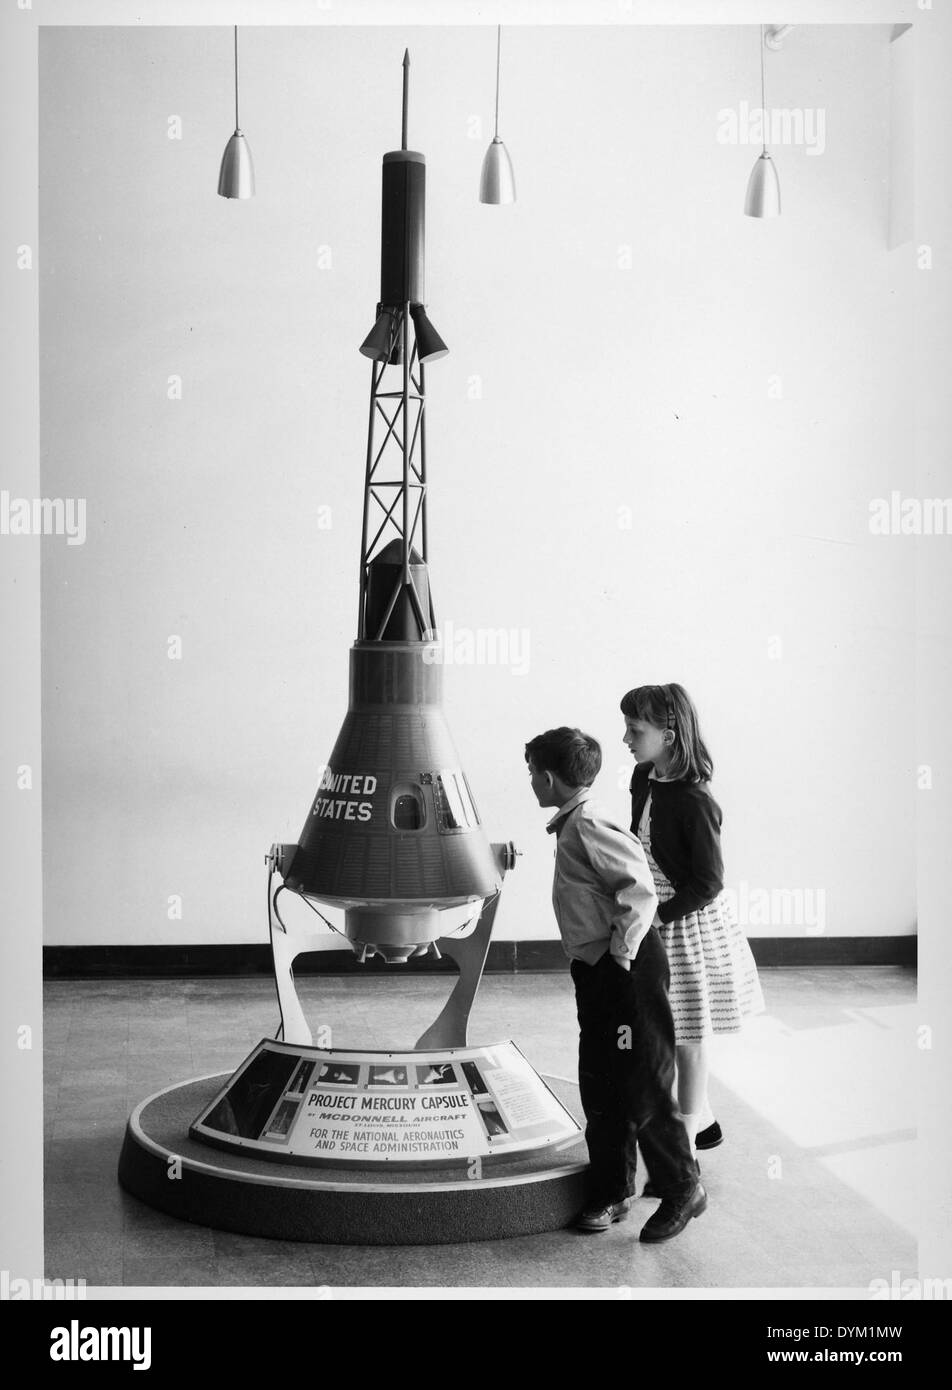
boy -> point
(604, 902)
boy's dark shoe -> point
(600, 1218)
(673, 1215)
(709, 1138)
(649, 1189)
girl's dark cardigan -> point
(685, 839)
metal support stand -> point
(449, 1029)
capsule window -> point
(407, 809)
(467, 797)
(454, 801)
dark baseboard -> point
(505, 958)
(835, 950)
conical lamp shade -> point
(497, 182)
(763, 189)
(236, 178)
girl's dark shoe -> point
(673, 1215)
(709, 1138)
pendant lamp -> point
(236, 178)
(497, 183)
(763, 186)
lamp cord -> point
(498, 49)
(237, 125)
(763, 86)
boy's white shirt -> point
(583, 794)
(610, 851)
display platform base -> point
(165, 1168)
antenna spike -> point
(406, 95)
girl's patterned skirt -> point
(714, 982)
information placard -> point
(367, 1108)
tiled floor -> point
(812, 1188)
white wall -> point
(602, 388)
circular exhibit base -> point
(162, 1166)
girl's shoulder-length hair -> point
(671, 707)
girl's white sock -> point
(690, 1123)
(707, 1116)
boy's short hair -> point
(570, 755)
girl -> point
(714, 982)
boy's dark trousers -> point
(626, 1073)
